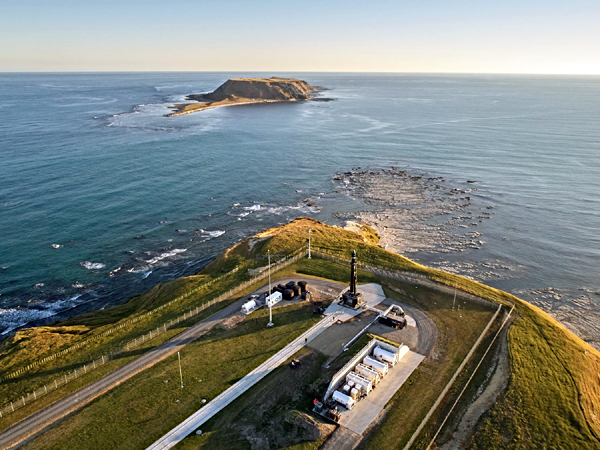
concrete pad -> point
(373, 295)
(366, 410)
(331, 342)
(410, 321)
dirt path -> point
(488, 397)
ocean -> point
(102, 196)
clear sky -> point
(483, 36)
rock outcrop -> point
(261, 88)
(238, 91)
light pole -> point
(270, 324)
(180, 372)
(454, 301)
(309, 243)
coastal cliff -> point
(236, 91)
(262, 88)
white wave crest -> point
(164, 255)
(92, 266)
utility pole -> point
(180, 372)
(454, 297)
(309, 243)
(270, 324)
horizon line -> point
(288, 71)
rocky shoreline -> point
(415, 212)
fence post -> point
(102, 359)
(55, 384)
(34, 395)
(12, 407)
(65, 378)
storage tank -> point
(345, 400)
(369, 373)
(386, 356)
(354, 393)
(303, 285)
(288, 294)
(248, 306)
(306, 295)
(290, 284)
(297, 290)
(281, 287)
(345, 389)
(379, 366)
(365, 383)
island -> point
(242, 91)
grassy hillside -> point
(553, 397)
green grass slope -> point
(553, 398)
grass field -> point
(552, 401)
(141, 410)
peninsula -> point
(239, 91)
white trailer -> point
(385, 356)
(369, 373)
(275, 297)
(379, 366)
(345, 400)
(365, 384)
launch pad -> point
(352, 298)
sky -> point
(447, 36)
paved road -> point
(201, 416)
(46, 417)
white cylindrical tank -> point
(369, 373)
(403, 350)
(343, 399)
(351, 383)
(346, 389)
(384, 355)
(365, 383)
(379, 366)
(354, 393)
(248, 306)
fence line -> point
(409, 277)
(104, 358)
(406, 276)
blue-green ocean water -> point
(131, 198)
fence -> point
(103, 359)
(407, 277)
